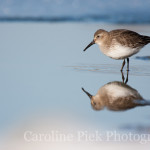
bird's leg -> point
(127, 77)
(123, 64)
(127, 64)
(122, 76)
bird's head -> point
(95, 101)
(98, 37)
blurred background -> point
(110, 11)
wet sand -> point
(43, 68)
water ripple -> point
(139, 70)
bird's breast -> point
(114, 92)
(118, 51)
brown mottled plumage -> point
(119, 44)
(129, 38)
(116, 96)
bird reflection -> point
(116, 96)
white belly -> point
(121, 52)
(118, 91)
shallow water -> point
(42, 70)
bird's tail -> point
(142, 102)
(147, 39)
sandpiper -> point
(116, 96)
(120, 43)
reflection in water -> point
(143, 57)
(116, 96)
(137, 70)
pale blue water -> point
(43, 68)
(110, 11)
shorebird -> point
(116, 96)
(119, 44)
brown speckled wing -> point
(129, 38)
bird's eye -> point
(94, 103)
(98, 36)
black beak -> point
(93, 42)
(88, 94)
